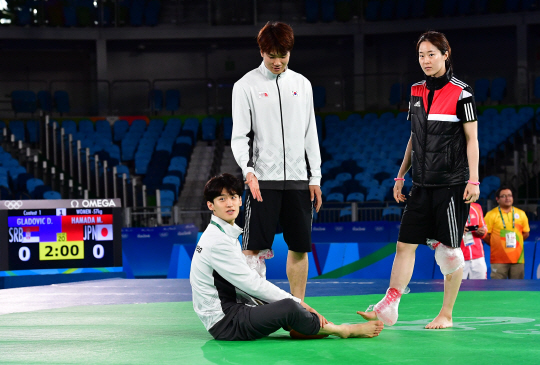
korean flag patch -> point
(294, 93)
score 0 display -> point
(56, 234)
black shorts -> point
(434, 213)
(293, 210)
(245, 323)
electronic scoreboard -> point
(60, 234)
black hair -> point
(503, 187)
(214, 187)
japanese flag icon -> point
(104, 232)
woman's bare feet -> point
(441, 321)
(368, 316)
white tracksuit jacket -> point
(220, 276)
(274, 130)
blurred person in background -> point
(508, 228)
(472, 246)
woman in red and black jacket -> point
(443, 154)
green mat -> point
(490, 328)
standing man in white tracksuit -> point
(274, 141)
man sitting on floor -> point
(233, 301)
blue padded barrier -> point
(149, 250)
(536, 264)
(339, 255)
(180, 264)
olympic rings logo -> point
(13, 204)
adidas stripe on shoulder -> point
(458, 83)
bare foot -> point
(366, 330)
(439, 322)
(368, 316)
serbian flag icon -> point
(104, 232)
(31, 234)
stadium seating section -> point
(360, 154)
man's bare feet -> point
(366, 330)
(368, 316)
(441, 321)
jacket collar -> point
(232, 231)
(268, 74)
(437, 83)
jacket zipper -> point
(425, 136)
(282, 134)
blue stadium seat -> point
(61, 101)
(174, 125)
(103, 126)
(16, 127)
(498, 89)
(449, 7)
(418, 10)
(319, 97)
(70, 16)
(20, 182)
(167, 201)
(151, 14)
(23, 101)
(512, 5)
(387, 10)
(464, 7)
(490, 113)
(395, 94)
(328, 10)
(156, 100)
(184, 139)
(179, 161)
(174, 180)
(344, 176)
(23, 15)
(335, 197)
(536, 89)
(356, 197)
(156, 125)
(136, 12)
(209, 125)
(373, 10)
(375, 195)
(138, 125)
(172, 100)
(528, 5)
(481, 90)
(52, 195)
(391, 213)
(86, 126)
(120, 128)
(39, 191)
(31, 184)
(312, 11)
(480, 6)
(227, 127)
(33, 131)
(403, 10)
(44, 100)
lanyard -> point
(217, 225)
(513, 218)
(469, 219)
